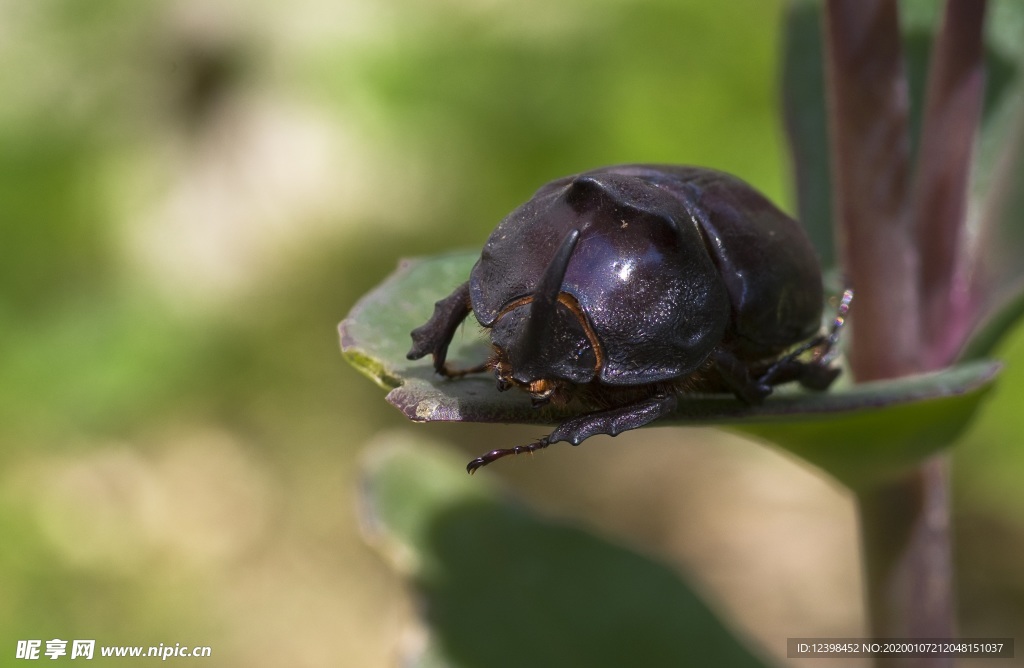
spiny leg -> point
(575, 430)
(752, 384)
(816, 374)
(788, 368)
(434, 336)
(813, 375)
(494, 455)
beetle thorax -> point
(542, 340)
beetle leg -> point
(494, 455)
(612, 422)
(788, 368)
(737, 377)
(817, 374)
(434, 336)
(451, 372)
(813, 375)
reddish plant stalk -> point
(901, 251)
(952, 111)
(868, 108)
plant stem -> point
(952, 109)
(905, 533)
(868, 108)
(902, 257)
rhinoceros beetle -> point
(627, 286)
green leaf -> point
(993, 329)
(913, 418)
(501, 586)
(803, 98)
(375, 334)
(858, 433)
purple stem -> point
(905, 532)
(952, 111)
(870, 139)
(901, 250)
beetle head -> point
(543, 341)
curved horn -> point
(545, 297)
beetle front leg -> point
(575, 430)
(738, 378)
(434, 336)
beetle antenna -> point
(545, 297)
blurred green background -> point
(193, 194)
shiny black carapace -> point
(626, 286)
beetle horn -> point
(545, 297)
